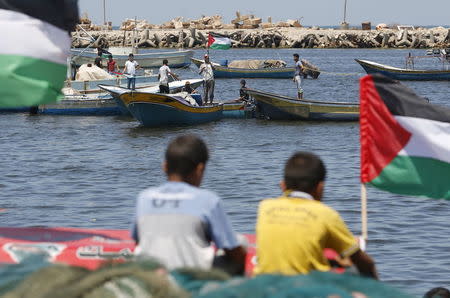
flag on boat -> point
(34, 49)
(218, 42)
(405, 140)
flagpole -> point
(364, 212)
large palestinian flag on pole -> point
(35, 44)
(405, 140)
(218, 42)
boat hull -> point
(175, 86)
(87, 87)
(154, 110)
(81, 107)
(176, 59)
(238, 111)
(404, 74)
(238, 73)
(276, 107)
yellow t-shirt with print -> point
(291, 234)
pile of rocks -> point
(270, 38)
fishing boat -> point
(156, 109)
(221, 71)
(279, 107)
(238, 110)
(409, 72)
(91, 86)
(174, 87)
(177, 59)
(82, 105)
(88, 248)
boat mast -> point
(345, 10)
(344, 24)
(104, 12)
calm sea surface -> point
(86, 171)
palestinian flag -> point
(405, 140)
(218, 42)
(35, 44)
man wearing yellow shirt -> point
(293, 230)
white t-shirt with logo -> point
(164, 75)
(131, 67)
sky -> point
(309, 12)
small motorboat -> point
(410, 73)
(150, 59)
(174, 87)
(221, 71)
(156, 109)
(279, 107)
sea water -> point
(86, 171)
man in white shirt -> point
(297, 76)
(163, 77)
(130, 70)
(207, 71)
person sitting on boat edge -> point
(207, 71)
(178, 221)
(188, 88)
(130, 69)
(293, 230)
(111, 65)
(297, 75)
(243, 95)
(163, 77)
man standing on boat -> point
(177, 222)
(163, 77)
(207, 71)
(130, 70)
(298, 76)
(293, 230)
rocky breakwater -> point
(288, 37)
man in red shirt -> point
(111, 64)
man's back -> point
(292, 232)
(176, 223)
(164, 75)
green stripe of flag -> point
(411, 175)
(218, 46)
(26, 81)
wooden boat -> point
(267, 73)
(404, 73)
(156, 109)
(91, 86)
(174, 87)
(84, 105)
(146, 60)
(238, 110)
(278, 107)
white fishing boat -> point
(88, 78)
(150, 59)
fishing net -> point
(140, 279)
(133, 279)
(256, 64)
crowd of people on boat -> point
(181, 224)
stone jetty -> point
(248, 31)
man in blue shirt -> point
(177, 222)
